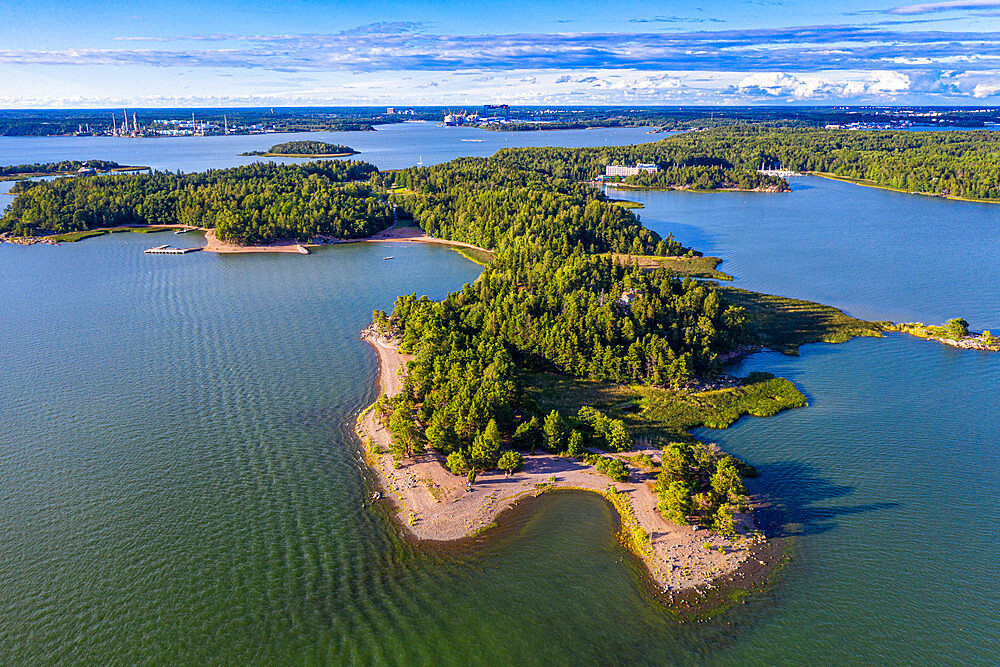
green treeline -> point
(680, 166)
(305, 148)
(707, 177)
(958, 164)
(485, 203)
(57, 167)
(251, 204)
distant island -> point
(305, 149)
(18, 172)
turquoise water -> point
(181, 484)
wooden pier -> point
(167, 250)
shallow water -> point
(181, 483)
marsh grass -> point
(784, 324)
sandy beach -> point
(213, 244)
(432, 504)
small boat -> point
(478, 141)
(389, 257)
(185, 230)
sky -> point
(109, 53)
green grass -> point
(661, 415)
(676, 411)
(624, 203)
(73, 237)
(147, 230)
(696, 267)
(552, 391)
(784, 324)
(477, 255)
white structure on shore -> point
(629, 170)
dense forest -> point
(961, 164)
(549, 301)
(305, 148)
(485, 203)
(706, 177)
(251, 204)
(534, 308)
(679, 167)
(64, 167)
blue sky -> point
(307, 52)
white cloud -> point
(947, 6)
(779, 85)
(986, 90)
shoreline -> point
(392, 234)
(646, 188)
(435, 507)
(302, 155)
(871, 184)
(124, 169)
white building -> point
(629, 170)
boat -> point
(183, 230)
(478, 141)
(389, 257)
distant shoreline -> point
(871, 184)
(683, 188)
(41, 174)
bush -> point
(457, 463)
(554, 431)
(510, 461)
(675, 503)
(612, 467)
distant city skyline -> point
(312, 53)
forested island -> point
(17, 172)
(562, 366)
(305, 149)
(256, 203)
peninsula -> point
(955, 332)
(579, 359)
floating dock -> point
(167, 250)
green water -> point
(180, 482)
